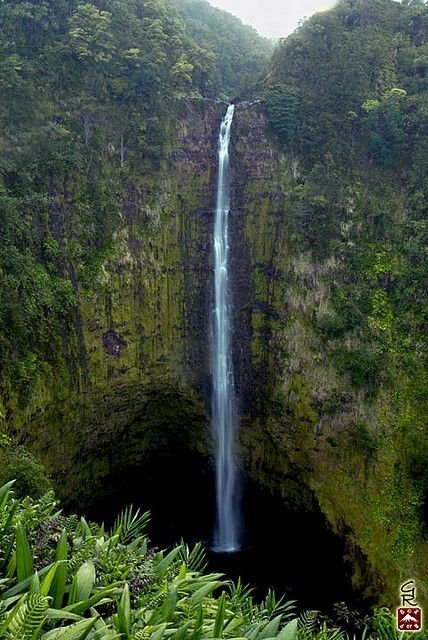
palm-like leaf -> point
(130, 524)
(272, 606)
(195, 558)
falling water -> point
(226, 539)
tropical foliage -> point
(88, 100)
(64, 578)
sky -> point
(272, 18)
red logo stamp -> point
(409, 619)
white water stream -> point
(226, 537)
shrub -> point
(17, 463)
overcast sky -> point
(272, 18)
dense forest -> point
(347, 96)
(95, 100)
(79, 81)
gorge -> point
(114, 247)
(137, 429)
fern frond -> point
(29, 617)
(307, 624)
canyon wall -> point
(134, 382)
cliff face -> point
(137, 343)
(310, 430)
(134, 386)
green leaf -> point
(84, 529)
(47, 582)
(35, 583)
(58, 585)
(9, 619)
(77, 631)
(195, 559)
(27, 617)
(181, 631)
(271, 629)
(7, 552)
(199, 624)
(183, 572)
(122, 619)
(102, 631)
(169, 605)
(161, 567)
(4, 494)
(24, 558)
(220, 617)
(24, 585)
(83, 583)
(159, 633)
(205, 590)
(289, 632)
(100, 597)
(61, 614)
(130, 525)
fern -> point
(27, 618)
(307, 625)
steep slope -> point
(238, 53)
(87, 102)
(347, 101)
(102, 297)
(108, 173)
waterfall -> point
(226, 538)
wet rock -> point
(113, 343)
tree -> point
(90, 34)
(181, 72)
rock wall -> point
(136, 383)
(139, 331)
(307, 432)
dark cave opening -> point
(292, 551)
(176, 487)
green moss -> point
(17, 463)
(316, 432)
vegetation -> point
(87, 98)
(347, 102)
(65, 578)
(90, 98)
(233, 57)
(18, 464)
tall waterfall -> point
(226, 538)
